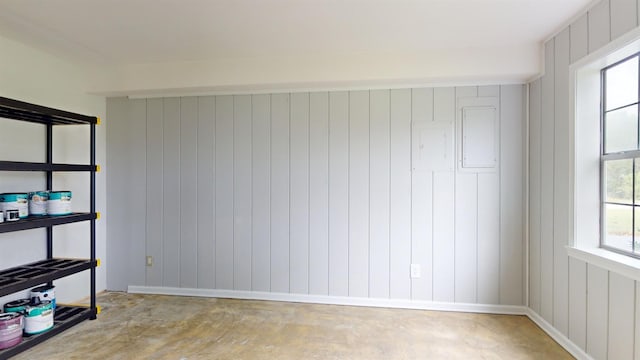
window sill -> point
(618, 263)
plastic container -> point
(15, 201)
(59, 203)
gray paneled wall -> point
(313, 193)
(592, 307)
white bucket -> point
(59, 203)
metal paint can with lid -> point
(38, 317)
(10, 329)
(45, 293)
(15, 201)
(38, 202)
(17, 305)
(59, 203)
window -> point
(620, 157)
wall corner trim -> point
(559, 337)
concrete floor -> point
(166, 327)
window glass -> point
(619, 181)
(618, 227)
(622, 84)
(621, 129)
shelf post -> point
(93, 219)
(49, 188)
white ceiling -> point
(128, 32)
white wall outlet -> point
(415, 271)
(149, 260)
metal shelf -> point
(35, 166)
(65, 317)
(19, 110)
(35, 222)
(30, 275)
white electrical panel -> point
(433, 146)
(478, 134)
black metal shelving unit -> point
(44, 272)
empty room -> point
(319, 179)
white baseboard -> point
(559, 337)
(332, 300)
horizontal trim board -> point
(556, 335)
(271, 89)
(332, 300)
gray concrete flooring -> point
(169, 327)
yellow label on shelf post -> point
(98, 215)
(97, 168)
(98, 309)
(98, 262)
(98, 121)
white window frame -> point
(585, 90)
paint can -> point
(17, 305)
(10, 329)
(1, 216)
(17, 201)
(45, 293)
(38, 317)
(59, 203)
(12, 215)
(38, 202)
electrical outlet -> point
(415, 271)
(149, 260)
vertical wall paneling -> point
(546, 184)
(117, 158)
(400, 211)
(319, 193)
(597, 311)
(338, 194)
(624, 16)
(171, 192)
(578, 302)
(138, 171)
(206, 192)
(599, 26)
(188, 184)
(280, 187)
(422, 205)
(579, 38)
(621, 321)
(489, 90)
(466, 225)
(224, 189)
(261, 193)
(127, 134)
(242, 250)
(155, 191)
(299, 215)
(511, 183)
(534, 196)
(443, 200)
(316, 193)
(636, 342)
(379, 194)
(359, 193)
(466, 231)
(561, 183)
(489, 243)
